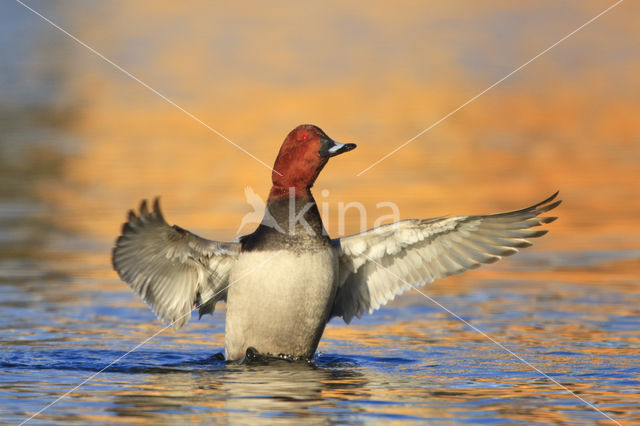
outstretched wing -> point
(378, 264)
(172, 269)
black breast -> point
(293, 225)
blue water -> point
(410, 362)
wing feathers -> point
(420, 251)
(171, 268)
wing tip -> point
(548, 219)
(156, 208)
(134, 219)
(144, 209)
(538, 233)
(113, 257)
(150, 214)
(547, 207)
(524, 243)
(508, 251)
(549, 199)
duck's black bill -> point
(331, 148)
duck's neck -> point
(279, 192)
(293, 211)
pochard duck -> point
(285, 281)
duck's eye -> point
(305, 137)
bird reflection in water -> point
(239, 392)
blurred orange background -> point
(373, 73)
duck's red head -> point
(303, 154)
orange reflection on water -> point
(555, 125)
